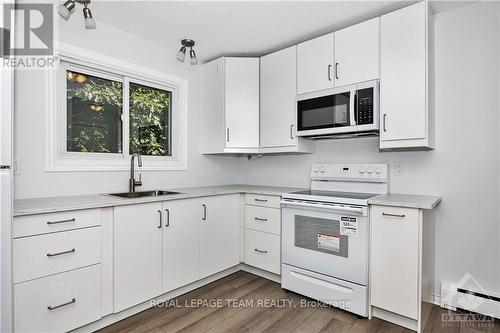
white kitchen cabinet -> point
(181, 243)
(357, 53)
(395, 237)
(138, 252)
(58, 303)
(231, 106)
(402, 264)
(278, 90)
(263, 250)
(315, 64)
(405, 119)
(219, 233)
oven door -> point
(328, 241)
(326, 112)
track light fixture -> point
(181, 55)
(68, 8)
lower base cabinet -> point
(402, 265)
(58, 303)
(159, 247)
(138, 254)
(219, 233)
(263, 250)
(181, 243)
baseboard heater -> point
(478, 301)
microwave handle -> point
(352, 108)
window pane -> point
(150, 119)
(94, 108)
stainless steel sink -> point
(141, 194)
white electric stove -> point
(325, 234)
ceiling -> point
(236, 28)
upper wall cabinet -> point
(357, 53)
(278, 89)
(348, 56)
(315, 64)
(405, 122)
(231, 105)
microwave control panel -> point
(365, 106)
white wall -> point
(463, 169)
(33, 181)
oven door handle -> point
(360, 210)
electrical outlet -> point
(399, 169)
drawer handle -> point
(394, 215)
(260, 200)
(61, 221)
(260, 251)
(73, 250)
(50, 307)
(260, 219)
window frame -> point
(57, 158)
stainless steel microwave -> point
(339, 112)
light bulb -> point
(90, 23)
(194, 60)
(181, 54)
(66, 9)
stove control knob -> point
(378, 170)
(322, 169)
(316, 169)
(369, 170)
(362, 170)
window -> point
(94, 110)
(105, 112)
(149, 120)
(94, 116)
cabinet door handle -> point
(227, 134)
(260, 200)
(260, 219)
(337, 70)
(329, 72)
(50, 307)
(260, 251)
(73, 250)
(394, 215)
(61, 221)
(167, 223)
(161, 219)
(383, 122)
(291, 132)
(204, 212)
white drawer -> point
(38, 256)
(263, 250)
(263, 219)
(46, 223)
(74, 299)
(263, 200)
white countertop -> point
(65, 203)
(75, 202)
(406, 200)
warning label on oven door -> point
(329, 242)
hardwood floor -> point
(243, 302)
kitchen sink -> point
(140, 194)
